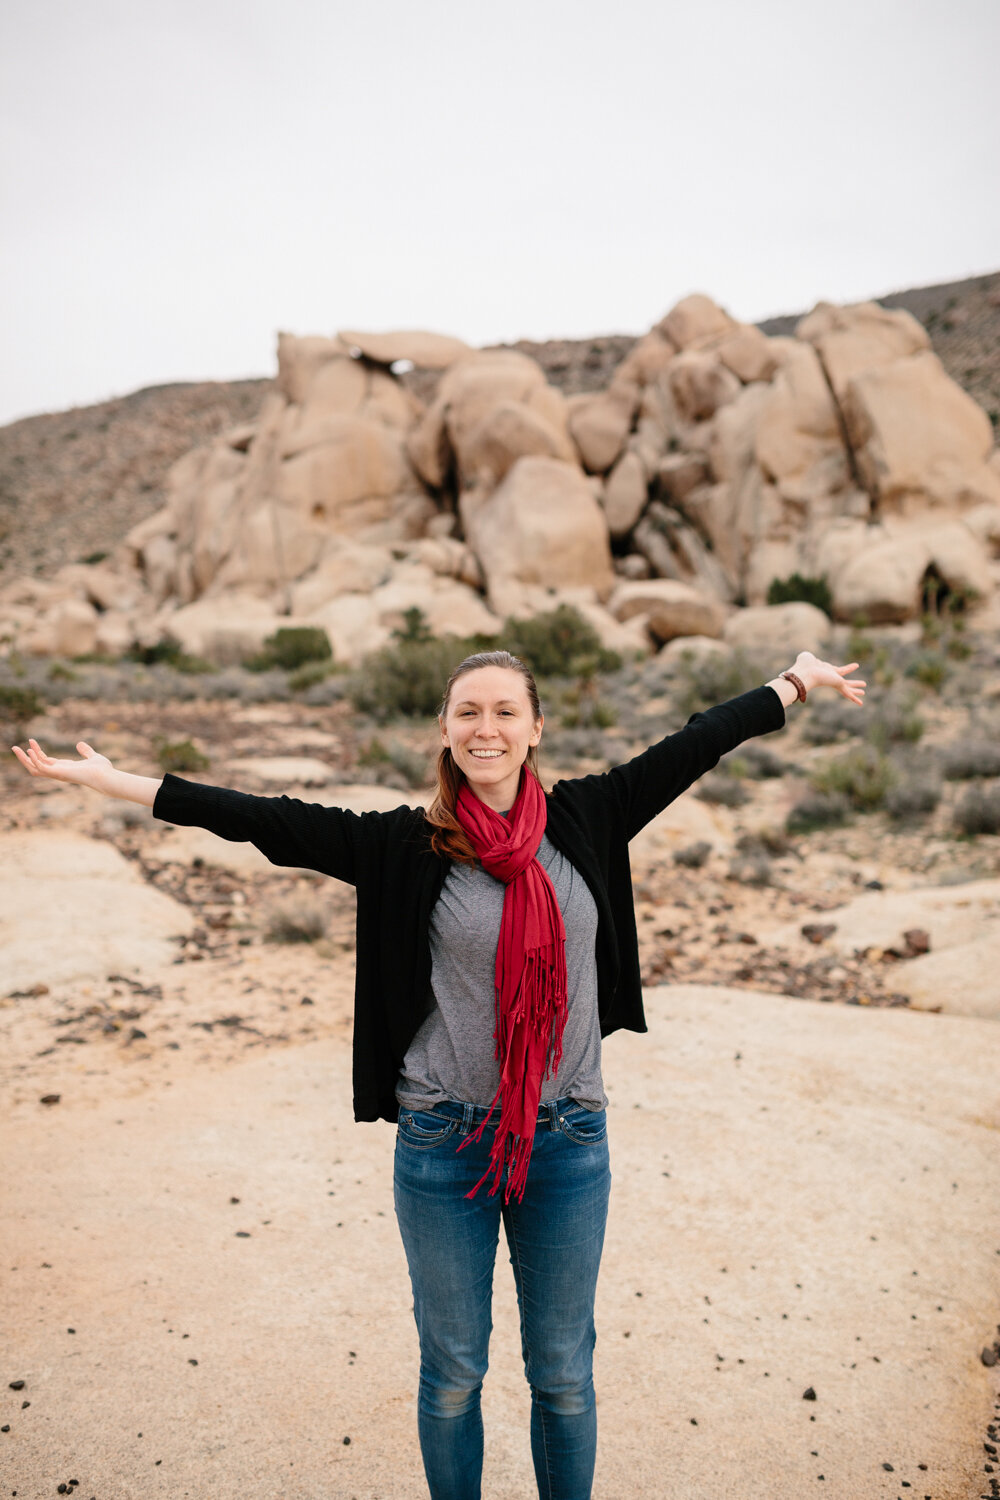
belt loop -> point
(468, 1113)
(553, 1108)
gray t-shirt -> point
(452, 1056)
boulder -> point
(748, 354)
(338, 386)
(449, 607)
(428, 448)
(73, 623)
(675, 550)
(541, 526)
(352, 624)
(882, 582)
(700, 384)
(344, 482)
(159, 559)
(115, 633)
(920, 442)
(679, 473)
(226, 629)
(625, 495)
(673, 608)
(960, 980)
(694, 319)
(798, 441)
(644, 361)
(599, 426)
(300, 358)
(449, 557)
(850, 340)
(782, 628)
(99, 585)
(428, 351)
(507, 432)
(694, 648)
(345, 567)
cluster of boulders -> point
(716, 461)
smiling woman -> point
(496, 947)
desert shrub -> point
(753, 760)
(406, 679)
(894, 721)
(750, 867)
(560, 643)
(60, 672)
(170, 653)
(863, 776)
(972, 758)
(767, 840)
(693, 856)
(583, 708)
(290, 647)
(818, 810)
(19, 704)
(831, 719)
(180, 756)
(309, 675)
(393, 763)
(929, 668)
(979, 810)
(713, 679)
(811, 590)
(913, 798)
(567, 745)
(299, 918)
(722, 790)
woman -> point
(496, 945)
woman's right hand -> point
(84, 772)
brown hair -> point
(449, 838)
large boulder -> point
(428, 351)
(695, 319)
(226, 629)
(449, 607)
(542, 525)
(625, 494)
(672, 608)
(863, 336)
(783, 628)
(346, 567)
(506, 433)
(919, 440)
(700, 384)
(300, 358)
(882, 582)
(748, 354)
(798, 440)
(599, 425)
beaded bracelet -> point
(797, 684)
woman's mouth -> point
(486, 754)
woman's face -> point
(490, 727)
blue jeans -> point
(555, 1236)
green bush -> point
(59, 672)
(407, 679)
(392, 763)
(290, 647)
(895, 721)
(831, 719)
(818, 810)
(170, 653)
(979, 810)
(812, 590)
(309, 675)
(180, 756)
(929, 668)
(19, 704)
(558, 644)
(863, 776)
(584, 709)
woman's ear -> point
(444, 732)
(536, 733)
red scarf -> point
(530, 973)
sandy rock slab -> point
(72, 908)
(803, 1200)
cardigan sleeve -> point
(306, 835)
(633, 793)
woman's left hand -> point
(816, 673)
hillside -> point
(73, 482)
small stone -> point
(192, 1361)
(5, 1427)
(989, 1356)
(809, 1394)
(888, 1468)
(50, 1099)
(71, 1330)
(242, 1234)
(347, 1442)
(17, 1385)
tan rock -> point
(700, 384)
(345, 567)
(679, 473)
(788, 628)
(99, 585)
(271, 546)
(338, 386)
(509, 431)
(644, 361)
(300, 358)
(542, 526)
(859, 337)
(74, 626)
(673, 608)
(599, 426)
(748, 354)
(449, 607)
(283, 770)
(159, 566)
(389, 402)
(225, 629)
(693, 319)
(675, 550)
(770, 559)
(919, 440)
(351, 621)
(882, 582)
(960, 980)
(449, 557)
(115, 633)
(798, 440)
(428, 447)
(695, 648)
(956, 552)
(625, 495)
(428, 351)
(335, 481)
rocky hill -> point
(72, 483)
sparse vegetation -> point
(797, 587)
(818, 810)
(724, 790)
(19, 704)
(693, 856)
(713, 679)
(930, 669)
(308, 675)
(299, 918)
(180, 756)
(864, 776)
(558, 644)
(979, 809)
(912, 799)
(970, 758)
(393, 764)
(406, 680)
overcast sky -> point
(182, 178)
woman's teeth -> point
(486, 754)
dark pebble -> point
(888, 1468)
(347, 1442)
(694, 1421)
(17, 1385)
(242, 1234)
(989, 1356)
(25, 1404)
(71, 1330)
(809, 1394)
(192, 1361)
(5, 1427)
(61, 1489)
(50, 1099)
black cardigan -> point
(388, 858)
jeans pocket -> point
(423, 1129)
(588, 1127)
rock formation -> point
(716, 461)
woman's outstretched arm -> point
(814, 673)
(92, 770)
